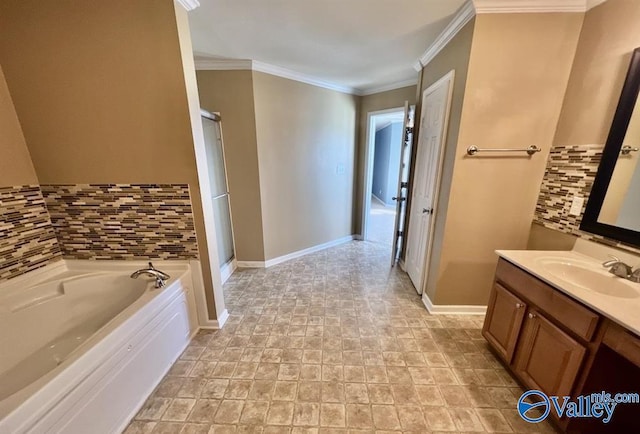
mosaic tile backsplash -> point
(570, 172)
(27, 239)
(122, 221)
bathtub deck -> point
(334, 342)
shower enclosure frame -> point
(227, 269)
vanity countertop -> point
(583, 278)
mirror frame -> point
(610, 155)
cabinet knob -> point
(518, 305)
(532, 315)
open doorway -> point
(384, 181)
(386, 172)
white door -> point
(436, 101)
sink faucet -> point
(161, 277)
(620, 269)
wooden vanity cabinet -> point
(505, 315)
(548, 359)
(553, 343)
(541, 334)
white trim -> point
(213, 324)
(460, 19)
(303, 252)
(189, 5)
(227, 269)
(449, 80)
(280, 259)
(203, 64)
(303, 78)
(388, 87)
(368, 167)
(223, 64)
(446, 80)
(452, 309)
(533, 6)
(250, 264)
(472, 7)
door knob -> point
(399, 199)
(532, 315)
(518, 305)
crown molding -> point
(303, 78)
(459, 20)
(472, 7)
(533, 6)
(254, 65)
(189, 5)
(387, 87)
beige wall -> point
(370, 103)
(15, 164)
(518, 72)
(303, 132)
(455, 56)
(231, 94)
(543, 238)
(609, 35)
(100, 92)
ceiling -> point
(361, 44)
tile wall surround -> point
(122, 221)
(570, 172)
(27, 238)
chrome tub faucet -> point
(161, 277)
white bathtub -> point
(82, 344)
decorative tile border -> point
(570, 172)
(27, 239)
(122, 221)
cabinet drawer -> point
(623, 343)
(569, 313)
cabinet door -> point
(503, 321)
(548, 359)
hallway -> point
(381, 222)
(334, 342)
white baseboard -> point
(294, 255)
(227, 270)
(452, 309)
(250, 264)
(303, 252)
(212, 324)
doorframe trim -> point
(369, 153)
(448, 77)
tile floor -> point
(334, 342)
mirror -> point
(613, 209)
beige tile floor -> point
(334, 342)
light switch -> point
(339, 168)
(576, 205)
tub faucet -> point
(161, 277)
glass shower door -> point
(218, 184)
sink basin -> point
(586, 276)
